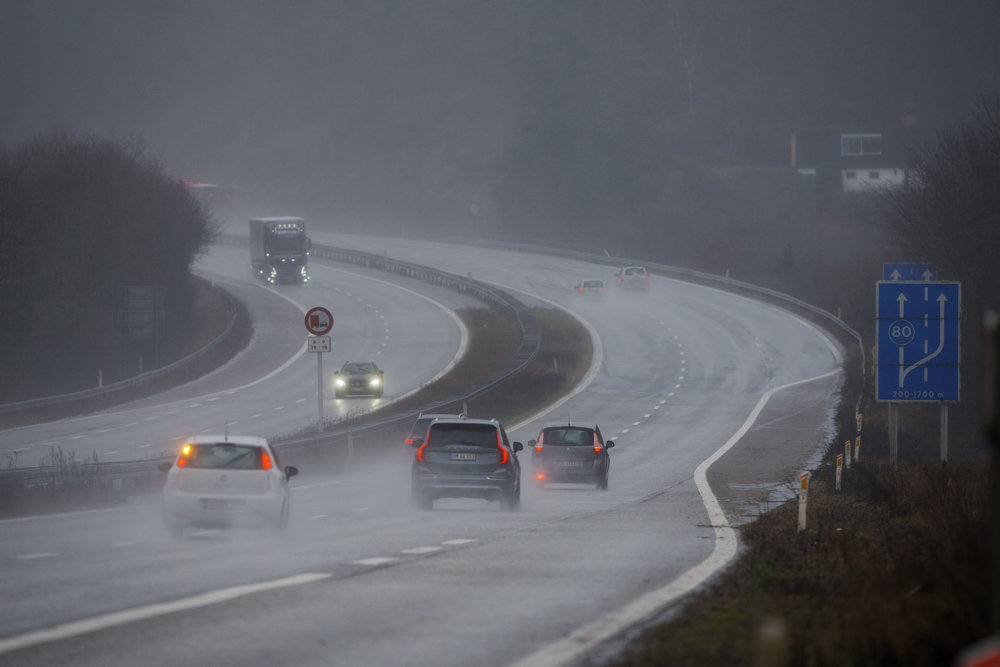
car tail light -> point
(540, 477)
(540, 442)
(504, 456)
(265, 461)
(597, 445)
(182, 459)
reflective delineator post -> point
(803, 491)
(847, 454)
(840, 470)
(857, 449)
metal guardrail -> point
(722, 282)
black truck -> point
(279, 250)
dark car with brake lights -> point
(419, 429)
(571, 452)
(466, 458)
(591, 286)
(359, 378)
(633, 277)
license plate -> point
(461, 456)
(569, 464)
(220, 503)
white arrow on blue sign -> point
(898, 272)
(918, 348)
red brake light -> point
(540, 441)
(503, 450)
(540, 476)
(265, 461)
(597, 445)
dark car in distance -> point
(571, 452)
(466, 458)
(359, 378)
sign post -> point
(319, 322)
(917, 354)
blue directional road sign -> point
(897, 272)
(917, 345)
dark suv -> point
(571, 452)
(419, 429)
(466, 458)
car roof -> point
(465, 420)
(570, 424)
(253, 440)
(451, 415)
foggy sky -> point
(406, 105)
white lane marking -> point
(374, 561)
(458, 542)
(116, 618)
(583, 639)
(420, 550)
(319, 516)
(44, 554)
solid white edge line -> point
(585, 638)
(116, 618)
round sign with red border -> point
(319, 321)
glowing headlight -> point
(374, 382)
(339, 382)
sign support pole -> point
(319, 388)
(944, 433)
(893, 435)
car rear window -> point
(568, 436)
(224, 455)
(472, 435)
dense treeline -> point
(80, 222)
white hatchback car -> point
(226, 480)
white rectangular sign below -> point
(319, 343)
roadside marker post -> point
(803, 492)
(840, 470)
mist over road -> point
(362, 578)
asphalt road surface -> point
(715, 402)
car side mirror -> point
(518, 446)
(165, 466)
(417, 442)
(609, 444)
(291, 471)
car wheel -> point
(282, 524)
(602, 483)
(510, 501)
(174, 527)
(421, 500)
